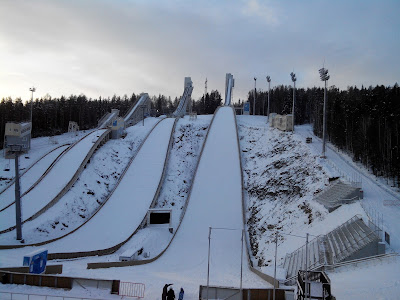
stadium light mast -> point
(323, 73)
(255, 91)
(32, 89)
(269, 91)
(294, 96)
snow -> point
(281, 175)
(90, 190)
(30, 176)
(125, 209)
(48, 188)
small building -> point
(73, 126)
(117, 128)
(17, 134)
(281, 122)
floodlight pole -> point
(269, 91)
(324, 77)
(32, 89)
(294, 97)
(255, 92)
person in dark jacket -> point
(181, 293)
(164, 291)
(170, 294)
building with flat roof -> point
(17, 134)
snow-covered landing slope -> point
(216, 200)
(89, 192)
(53, 183)
(30, 177)
(125, 209)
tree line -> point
(362, 122)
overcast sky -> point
(101, 48)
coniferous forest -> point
(362, 122)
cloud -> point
(264, 11)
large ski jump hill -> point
(215, 201)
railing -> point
(131, 289)
(21, 296)
(341, 256)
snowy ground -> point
(282, 174)
(39, 147)
(52, 184)
(89, 191)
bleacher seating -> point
(351, 240)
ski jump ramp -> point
(138, 110)
(53, 186)
(229, 84)
(215, 201)
(185, 99)
(125, 209)
(31, 176)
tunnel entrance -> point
(159, 217)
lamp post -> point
(32, 89)
(323, 73)
(294, 97)
(255, 91)
(269, 91)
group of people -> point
(170, 294)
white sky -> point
(101, 48)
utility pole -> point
(255, 92)
(323, 73)
(294, 96)
(269, 92)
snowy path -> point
(377, 198)
(52, 184)
(125, 209)
(215, 201)
(30, 177)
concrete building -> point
(117, 128)
(281, 122)
(17, 134)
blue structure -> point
(36, 261)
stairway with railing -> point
(351, 240)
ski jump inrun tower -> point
(229, 84)
(185, 99)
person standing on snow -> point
(164, 292)
(170, 294)
(181, 293)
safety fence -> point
(21, 296)
(131, 289)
